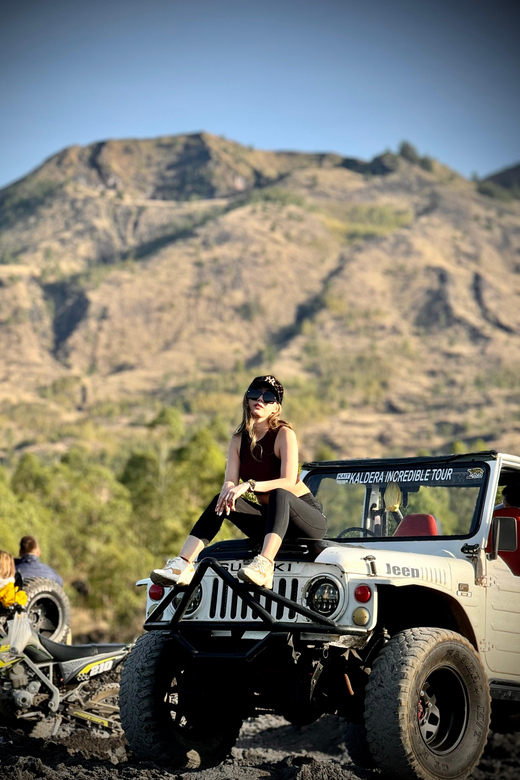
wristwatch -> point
(252, 484)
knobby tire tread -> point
(37, 586)
(136, 702)
(150, 739)
(356, 744)
(387, 695)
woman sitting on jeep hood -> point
(263, 452)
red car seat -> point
(417, 525)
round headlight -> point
(194, 602)
(323, 596)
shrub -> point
(250, 310)
(426, 163)
(493, 190)
(23, 200)
(277, 195)
(6, 257)
(408, 152)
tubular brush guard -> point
(247, 594)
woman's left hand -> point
(227, 499)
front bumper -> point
(265, 624)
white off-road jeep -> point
(404, 620)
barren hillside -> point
(385, 294)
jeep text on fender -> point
(405, 619)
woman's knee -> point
(279, 494)
(279, 511)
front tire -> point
(154, 713)
(427, 706)
(355, 740)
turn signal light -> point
(363, 594)
(156, 592)
(360, 616)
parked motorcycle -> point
(46, 686)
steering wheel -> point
(356, 528)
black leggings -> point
(285, 515)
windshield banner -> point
(444, 475)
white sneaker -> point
(177, 571)
(259, 572)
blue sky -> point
(327, 75)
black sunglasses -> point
(254, 394)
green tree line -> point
(103, 528)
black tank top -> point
(265, 464)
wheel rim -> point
(104, 704)
(44, 615)
(190, 728)
(442, 710)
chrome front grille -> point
(225, 604)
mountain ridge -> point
(140, 269)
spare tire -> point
(48, 608)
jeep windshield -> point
(406, 498)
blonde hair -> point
(274, 421)
(6, 565)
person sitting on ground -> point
(29, 564)
(263, 452)
(9, 593)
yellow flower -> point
(10, 595)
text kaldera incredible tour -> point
(411, 475)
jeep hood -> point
(400, 567)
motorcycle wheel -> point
(104, 704)
(157, 725)
(48, 608)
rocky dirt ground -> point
(268, 747)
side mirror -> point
(503, 536)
